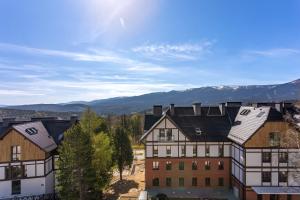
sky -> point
(56, 51)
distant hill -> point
(205, 95)
(23, 115)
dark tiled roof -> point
(56, 128)
(150, 120)
(213, 128)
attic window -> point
(260, 114)
(198, 131)
(31, 131)
(245, 112)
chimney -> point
(157, 110)
(73, 118)
(172, 109)
(7, 120)
(222, 108)
(279, 107)
(197, 109)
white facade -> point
(38, 178)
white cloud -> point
(276, 52)
(184, 51)
(95, 56)
(122, 22)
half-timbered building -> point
(28, 153)
(204, 149)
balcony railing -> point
(51, 196)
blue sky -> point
(65, 50)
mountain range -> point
(209, 95)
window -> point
(245, 112)
(221, 150)
(182, 150)
(198, 131)
(16, 172)
(289, 197)
(194, 181)
(207, 165)
(16, 187)
(221, 181)
(168, 182)
(194, 165)
(155, 182)
(259, 197)
(207, 181)
(181, 165)
(31, 131)
(207, 150)
(155, 165)
(273, 197)
(168, 149)
(15, 153)
(266, 176)
(283, 157)
(282, 177)
(155, 150)
(274, 139)
(266, 157)
(162, 134)
(181, 182)
(194, 150)
(169, 134)
(221, 165)
(168, 165)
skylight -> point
(260, 114)
(31, 131)
(245, 112)
(198, 131)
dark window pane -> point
(168, 182)
(266, 157)
(221, 181)
(16, 187)
(207, 181)
(194, 181)
(181, 182)
(181, 165)
(155, 182)
(266, 176)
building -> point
(28, 153)
(209, 151)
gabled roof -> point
(213, 128)
(247, 123)
(40, 136)
(213, 125)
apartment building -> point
(230, 147)
(28, 153)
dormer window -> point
(245, 112)
(198, 131)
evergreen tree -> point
(76, 176)
(122, 149)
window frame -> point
(13, 190)
(16, 152)
(221, 165)
(155, 182)
(283, 159)
(266, 177)
(194, 165)
(194, 181)
(181, 181)
(168, 166)
(207, 181)
(266, 157)
(181, 165)
(168, 182)
(207, 165)
(221, 181)
(155, 165)
(281, 178)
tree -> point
(96, 127)
(92, 123)
(122, 149)
(76, 176)
(102, 159)
(136, 127)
